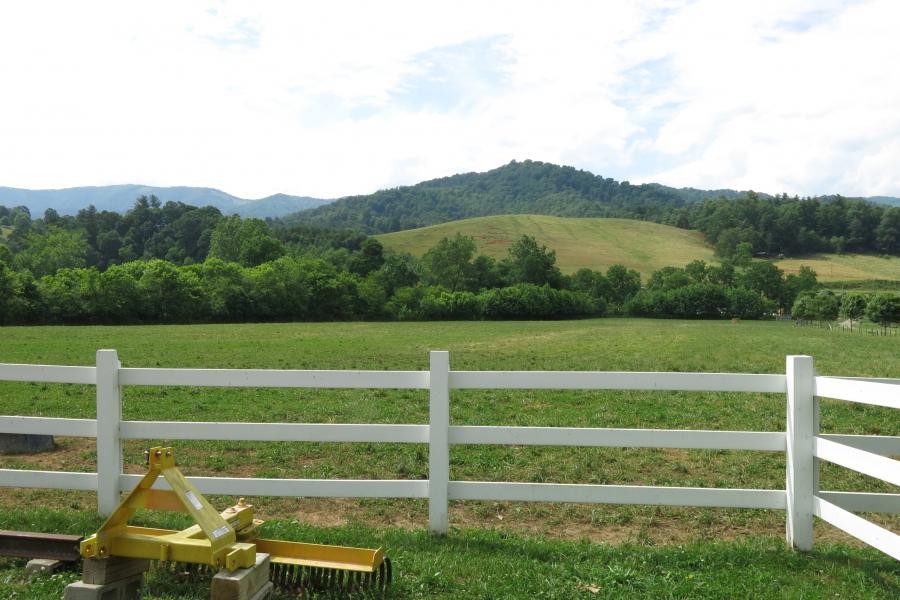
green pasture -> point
(594, 243)
(503, 538)
(846, 267)
(640, 245)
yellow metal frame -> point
(222, 540)
(213, 541)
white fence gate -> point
(802, 443)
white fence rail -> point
(800, 441)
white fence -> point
(801, 442)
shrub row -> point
(286, 289)
(522, 301)
(700, 301)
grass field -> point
(510, 537)
(639, 245)
(849, 267)
(595, 243)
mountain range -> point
(120, 198)
(525, 187)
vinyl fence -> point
(801, 442)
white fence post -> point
(109, 417)
(438, 440)
(801, 432)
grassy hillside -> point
(639, 245)
(846, 267)
(594, 243)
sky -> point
(335, 98)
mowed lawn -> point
(495, 549)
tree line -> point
(239, 270)
(882, 308)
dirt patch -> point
(70, 454)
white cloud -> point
(303, 98)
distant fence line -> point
(801, 442)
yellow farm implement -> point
(227, 540)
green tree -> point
(767, 279)
(884, 309)
(249, 242)
(397, 271)
(170, 294)
(530, 262)
(827, 305)
(70, 295)
(804, 307)
(592, 283)
(369, 258)
(226, 240)
(623, 284)
(47, 253)
(17, 295)
(853, 307)
(887, 234)
(119, 299)
(449, 263)
(805, 280)
(225, 289)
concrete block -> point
(25, 443)
(241, 584)
(108, 570)
(124, 589)
(265, 592)
(42, 566)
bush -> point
(405, 304)
(884, 309)
(746, 304)
(440, 304)
(529, 301)
(695, 301)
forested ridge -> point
(769, 224)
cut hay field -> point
(639, 245)
(846, 267)
(495, 549)
(594, 243)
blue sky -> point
(348, 97)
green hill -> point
(639, 245)
(527, 187)
(594, 243)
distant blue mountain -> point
(120, 198)
(889, 200)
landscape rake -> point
(228, 540)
